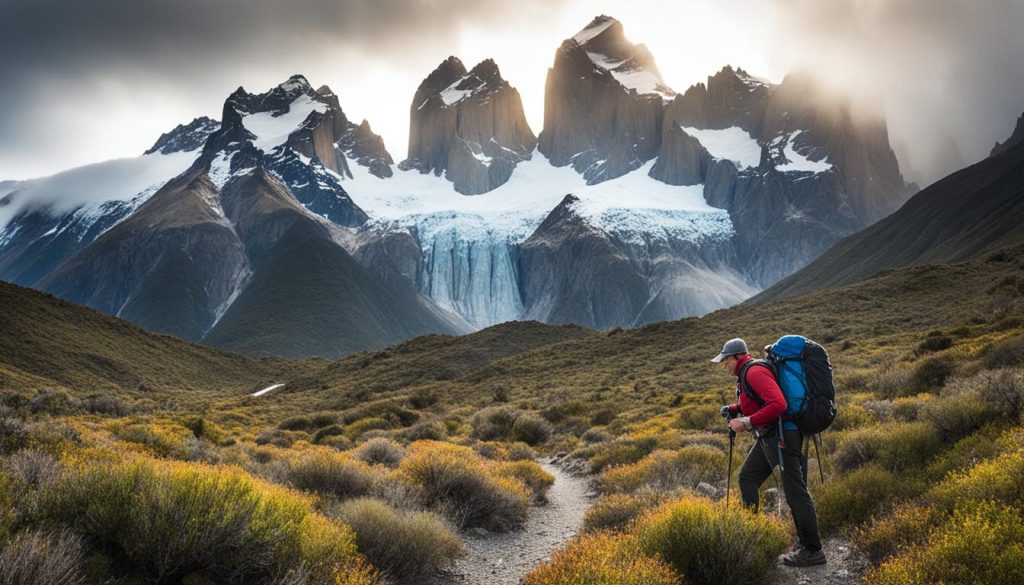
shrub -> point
(426, 431)
(601, 559)
(894, 446)
(997, 480)
(34, 558)
(893, 382)
(328, 431)
(931, 374)
(557, 412)
(984, 544)
(494, 423)
(453, 480)
(957, 416)
(859, 495)
(32, 467)
(618, 511)
(520, 452)
(404, 544)
(530, 429)
(888, 534)
(532, 475)
(364, 425)
(851, 416)
(54, 403)
(709, 543)
(330, 473)
(596, 435)
(161, 440)
(422, 398)
(13, 434)
(1004, 391)
(106, 405)
(935, 343)
(699, 417)
(1006, 353)
(381, 451)
(666, 470)
(164, 520)
(296, 423)
(620, 452)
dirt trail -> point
(503, 559)
(845, 567)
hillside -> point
(48, 343)
(971, 212)
(867, 326)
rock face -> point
(1017, 137)
(468, 126)
(969, 213)
(603, 103)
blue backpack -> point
(804, 372)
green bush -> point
(530, 429)
(620, 452)
(381, 451)
(494, 423)
(931, 374)
(596, 435)
(601, 559)
(983, 544)
(957, 416)
(329, 473)
(164, 520)
(894, 446)
(617, 511)
(1007, 353)
(856, 496)
(35, 558)
(328, 431)
(908, 525)
(893, 382)
(454, 481)
(997, 480)
(935, 343)
(709, 543)
(406, 545)
(296, 423)
(665, 470)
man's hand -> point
(737, 425)
(725, 412)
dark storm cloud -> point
(53, 51)
(949, 73)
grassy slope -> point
(869, 324)
(50, 343)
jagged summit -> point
(185, 137)
(598, 26)
(1016, 138)
(468, 126)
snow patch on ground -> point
(119, 179)
(734, 144)
(267, 389)
(271, 130)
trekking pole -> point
(821, 466)
(780, 443)
(728, 477)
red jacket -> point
(764, 385)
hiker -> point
(764, 420)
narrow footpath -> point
(503, 559)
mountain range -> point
(287, 228)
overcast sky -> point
(87, 81)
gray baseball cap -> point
(732, 347)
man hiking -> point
(763, 417)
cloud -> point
(63, 62)
(948, 73)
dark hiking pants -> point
(758, 467)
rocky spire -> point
(468, 126)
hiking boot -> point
(801, 557)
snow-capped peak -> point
(596, 27)
(295, 83)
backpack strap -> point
(746, 386)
